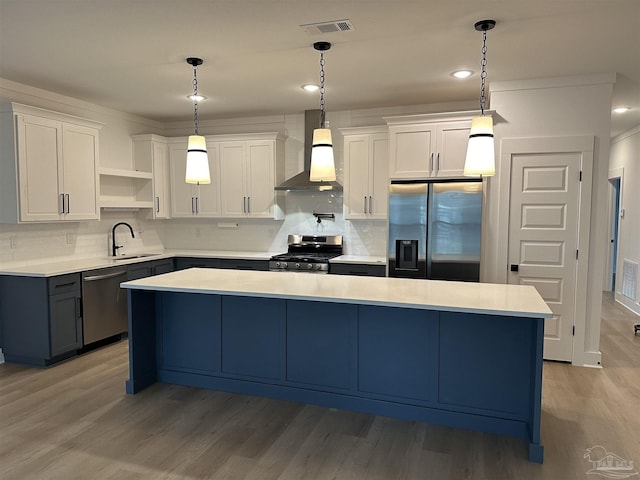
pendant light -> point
(480, 158)
(322, 164)
(197, 170)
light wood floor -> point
(73, 421)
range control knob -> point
(298, 266)
(310, 266)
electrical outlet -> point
(13, 241)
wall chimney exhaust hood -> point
(301, 182)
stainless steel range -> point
(308, 253)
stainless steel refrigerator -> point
(435, 229)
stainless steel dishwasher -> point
(104, 304)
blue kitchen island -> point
(466, 355)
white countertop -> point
(51, 269)
(84, 264)
(483, 298)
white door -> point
(233, 195)
(182, 193)
(39, 148)
(356, 166)
(379, 176)
(160, 154)
(543, 238)
(453, 138)
(411, 151)
(80, 153)
(260, 179)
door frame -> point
(608, 268)
(584, 145)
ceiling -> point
(130, 55)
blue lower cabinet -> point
(321, 344)
(189, 332)
(398, 353)
(483, 361)
(253, 336)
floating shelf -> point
(121, 202)
(119, 172)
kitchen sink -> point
(134, 255)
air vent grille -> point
(328, 27)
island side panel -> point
(142, 340)
(536, 449)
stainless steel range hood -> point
(301, 182)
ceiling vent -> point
(328, 27)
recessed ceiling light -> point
(196, 98)
(462, 73)
(311, 87)
(621, 109)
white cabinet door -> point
(160, 154)
(79, 179)
(452, 139)
(260, 178)
(208, 196)
(379, 177)
(366, 162)
(39, 150)
(412, 150)
(182, 194)
(233, 191)
(356, 172)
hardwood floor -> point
(74, 421)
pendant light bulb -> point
(323, 168)
(197, 170)
(480, 159)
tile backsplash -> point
(49, 242)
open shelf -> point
(119, 172)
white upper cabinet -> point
(366, 167)
(250, 168)
(189, 200)
(432, 145)
(48, 171)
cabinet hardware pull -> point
(61, 205)
(192, 208)
(68, 204)
(248, 204)
(157, 204)
(365, 204)
(438, 162)
(432, 161)
(197, 204)
(370, 206)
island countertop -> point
(464, 297)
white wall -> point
(625, 154)
(554, 108)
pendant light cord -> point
(483, 74)
(322, 114)
(195, 95)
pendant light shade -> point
(197, 161)
(480, 149)
(323, 168)
(197, 171)
(481, 158)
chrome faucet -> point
(115, 247)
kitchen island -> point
(466, 355)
